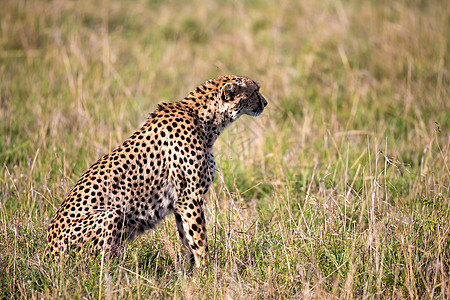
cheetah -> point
(165, 167)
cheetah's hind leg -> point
(94, 232)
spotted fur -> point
(165, 167)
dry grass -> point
(340, 189)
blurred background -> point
(340, 187)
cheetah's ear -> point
(228, 92)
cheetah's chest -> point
(211, 165)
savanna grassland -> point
(339, 190)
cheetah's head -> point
(239, 96)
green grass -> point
(339, 190)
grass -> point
(340, 189)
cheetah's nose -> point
(264, 101)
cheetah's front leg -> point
(190, 221)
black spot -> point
(178, 217)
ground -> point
(340, 189)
